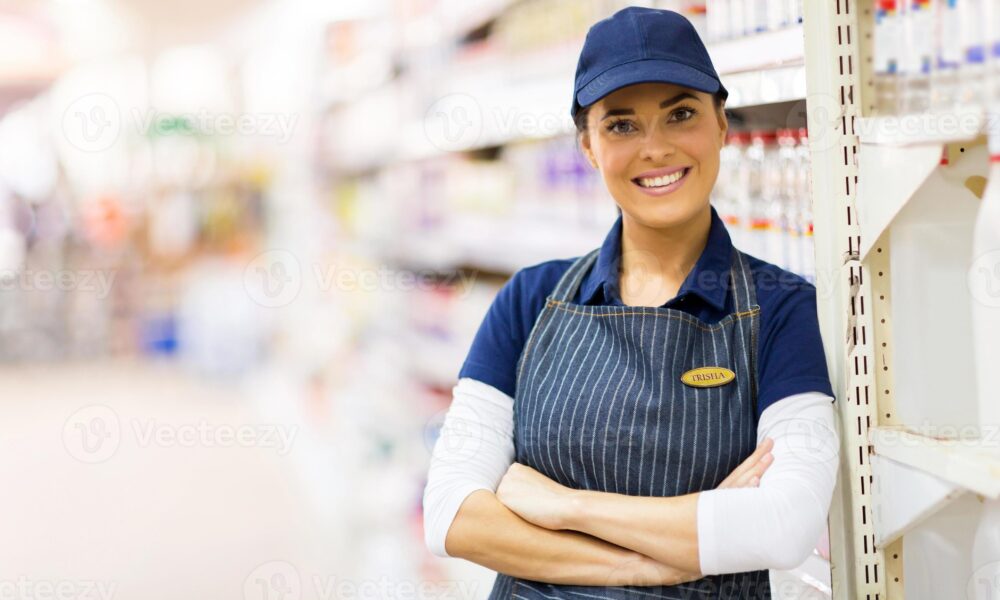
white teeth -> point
(661, 181)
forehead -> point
(653, 93)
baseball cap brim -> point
(647, 71)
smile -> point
(658, 186)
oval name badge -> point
(706, 377)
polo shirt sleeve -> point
(497, 345)
(791, 359)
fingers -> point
(749, 472)
(762, 450)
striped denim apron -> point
(599, 405)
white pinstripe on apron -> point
(599, 405)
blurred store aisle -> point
(170, 507)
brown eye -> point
(686, 112)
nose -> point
(656, 145)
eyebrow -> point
(668, 102)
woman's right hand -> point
(749, 472)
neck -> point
(663, 256)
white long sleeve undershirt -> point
(772, 526)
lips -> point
(665, 189)
(659, 172)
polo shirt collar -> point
(708, 279)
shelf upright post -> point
(838, 67)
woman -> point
(652, 419)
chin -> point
(662, 212)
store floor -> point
(131, 480)
(141, 495)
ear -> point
(587, 150)
(724, 125)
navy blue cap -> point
(639, 45)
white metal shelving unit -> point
(864, 170)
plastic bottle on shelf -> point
(735, 174)
(984, 280)
(807, 250)
(918, 54)
(755, 13)
(992, 18)
(788, 158)
(971, 84)
(887, 48)
(798, 7)
(722, 192)
(737, 22)
(778, 15)
(760, 210)
(948, 54)
(985, 580)
(717, 20)
(937, 556)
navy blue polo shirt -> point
(790, 352)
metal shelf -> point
(865, 169)
(973, 465)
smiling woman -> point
(628, 423)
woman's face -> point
(640, 131)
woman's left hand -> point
(534, 497)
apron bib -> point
(600, 405)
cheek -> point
(616, 158)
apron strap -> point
(570, 282)
(741, 281)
